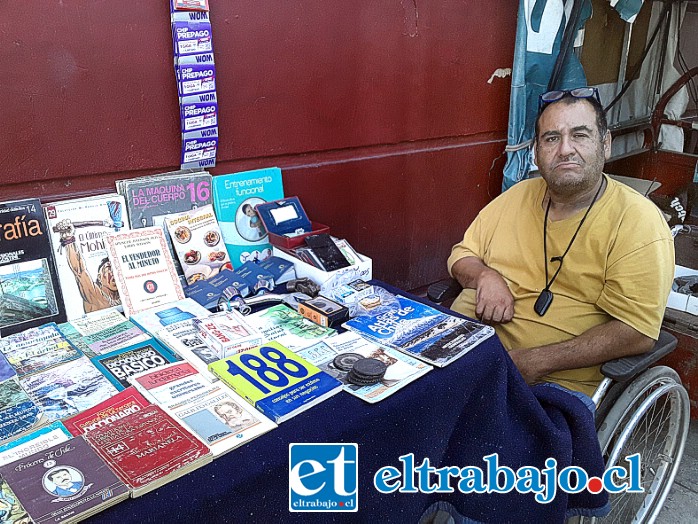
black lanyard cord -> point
(545, 237)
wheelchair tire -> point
(650, 417)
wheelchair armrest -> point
(445, 289)
(623, 369)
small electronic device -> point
(327, 253)
(323, 311)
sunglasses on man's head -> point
(579, 92)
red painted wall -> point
(379, 113)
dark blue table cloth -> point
(455, 415)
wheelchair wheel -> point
(650, 417)
(608, 402)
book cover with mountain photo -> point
(30, 294)
(418, 329)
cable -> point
(663, 20)
(691, 87)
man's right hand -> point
(494, 301)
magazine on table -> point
(417, 329)
(101, 331)
(330, 354)
(287, 327)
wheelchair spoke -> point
(650, 440)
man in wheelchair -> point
(573, 268)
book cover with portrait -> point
(64, 483)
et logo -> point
(323, 477)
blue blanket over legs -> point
(524, 426)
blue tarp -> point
(540, 27)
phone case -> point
(327, 252)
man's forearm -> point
(468, 270)
(608, 341)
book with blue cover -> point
(248, 279)
(157, 318)
(6, 369)
(118, 365)
(204, 293)
(18, 412)
(67, 389)
(281, 269)
(37, 349)
(32, 442)
(289, 386)
(234, 199)
(417, 329)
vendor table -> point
(454, 415)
